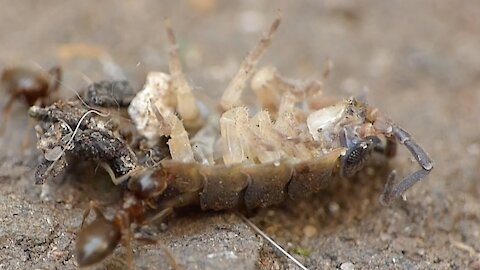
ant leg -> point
(56, 79)
(168, 206)
(171, 258)
(6, 114)
(31, 123)
(26, 135)
(159, 216)
(393, 191)
(118, 180)
(234, 90)
(127, 239)
(91, 206)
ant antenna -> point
(271, 241)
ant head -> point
(357, 155)
(148, 184)
(96, 241)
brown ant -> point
(99, 238)
(33, 87)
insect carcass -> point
(291, 146)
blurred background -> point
(418, 61)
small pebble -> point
(333, 207)
(309, 231)
(347, 266)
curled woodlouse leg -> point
(231, 96)
(393, 191)
(186, 105)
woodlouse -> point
(291, 147)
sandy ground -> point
(418, 61)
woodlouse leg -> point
(186, 105)
(393, 191)
(234, 90)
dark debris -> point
(109, 94)
(96, 139)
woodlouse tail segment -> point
(231, 96)
(96, 240)
(393, 191)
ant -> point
(33, 87)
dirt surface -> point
(418, 61)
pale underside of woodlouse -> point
(292, 144)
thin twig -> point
(271, 241)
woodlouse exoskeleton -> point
(291, 147)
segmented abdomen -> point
(256, 185)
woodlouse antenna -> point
(393, 191)
(231, 96)
(271, 241)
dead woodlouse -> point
(292, 147)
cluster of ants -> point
(257, 165)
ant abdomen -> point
(96, 241)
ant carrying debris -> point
(236, 160)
